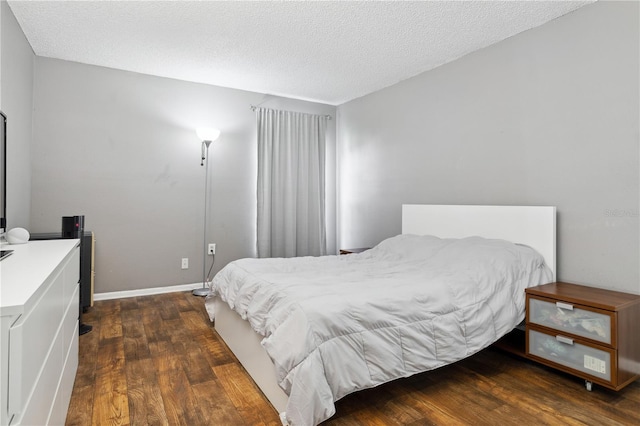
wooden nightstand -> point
(354, 250)
(589, 332)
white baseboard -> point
(145, 291)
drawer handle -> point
(564, 340)
(565, 306)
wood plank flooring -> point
(157, 360)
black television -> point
(3, 173)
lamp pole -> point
(205, 161)
(206, 135)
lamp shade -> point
(207, 134)
(17, 236)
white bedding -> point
(337, 324)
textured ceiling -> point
(328, 52)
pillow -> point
(411, 247)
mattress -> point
(333, 325)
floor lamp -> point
(207, 136)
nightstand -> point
(589, 332)
(354, 250)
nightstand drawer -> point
(570, 318)
(564, 351)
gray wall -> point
(121, 148)
(548, 117)
(16, 88)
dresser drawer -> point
(561, 350)
(569, 318)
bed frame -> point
(534, 226)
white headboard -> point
(534, 226)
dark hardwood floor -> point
(157, 360)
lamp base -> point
(201, 291)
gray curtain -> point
(291, 194)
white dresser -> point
(39, 309)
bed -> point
(362, 322)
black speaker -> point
(72, 226)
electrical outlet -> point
(211, 249)
(185, 263)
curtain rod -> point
(327, 116)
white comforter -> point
(337, 324)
